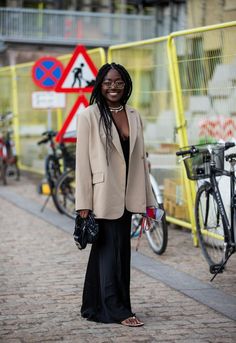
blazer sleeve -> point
(150, 199)
(83, 196)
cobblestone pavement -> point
(42, 276)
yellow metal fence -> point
(16, 88)
(185, 90)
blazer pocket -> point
(98, 177)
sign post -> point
(48, 100)
(79, 74)
(46, 73)
(78, 77)
(68, 130)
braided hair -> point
(97, 97)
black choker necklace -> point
(116, 109)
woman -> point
(112, 181)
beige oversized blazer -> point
(101, 187)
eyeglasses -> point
(117, 84)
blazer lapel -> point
(116, 140)
(133, 128)
(115, 135)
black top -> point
(125, 147)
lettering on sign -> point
(48, 100)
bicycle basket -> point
(198, 165)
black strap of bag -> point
(86, 230)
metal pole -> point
(49, 118)
(15, 111)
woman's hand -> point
(83, 213)
(151, 212)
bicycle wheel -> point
(65, 193)
(157, 235)
(209, 225)
(53, 173)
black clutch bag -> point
(86, 230)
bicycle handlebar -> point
(194, 150)
(49, 133)
(229, 145)
(43, 141)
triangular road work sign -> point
(79, 74)
(68, 130)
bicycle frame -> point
(211, 189)
(229, 241)
(229, 226)
(156, 189)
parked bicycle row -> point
(59, 165)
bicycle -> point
(8, 159)
(215, 230)
(65, 193)
(156, 231)
(59, 160)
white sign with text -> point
(48, 100)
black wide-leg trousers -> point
(106, 294)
